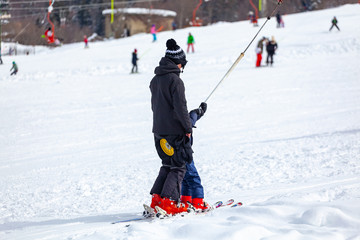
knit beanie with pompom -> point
(175, 53)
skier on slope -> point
(172, 129)
(259, 50)
(334, 22)
(14, 68)
(190, 43)
(153, 32)
(86, 41)
(134, 61)
(49, 35)
(271, 47)
(192, 190)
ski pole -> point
(148, 50)
(243, 53)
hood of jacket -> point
(166, 66)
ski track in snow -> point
(76, 148)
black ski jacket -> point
(271, 47)
(168, 103)
(134, 58)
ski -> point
(227, 203)
(219, 204)
(238, 204)
(149, 213)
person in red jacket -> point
(86, 41)
(49, 34)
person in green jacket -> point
(190, 42)
(334, 22)
(15, 68)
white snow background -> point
(77, 151)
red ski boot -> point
(172, 207)
(186, 199)
(200, 205)
(156, 201)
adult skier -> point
(192, 190)
(190, 43)
(172, 129)
(334, 22)
(134, 61)
(14, 68)
(259, 51)
(270, 49)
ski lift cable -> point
(243, 53)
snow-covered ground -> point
(77, 152)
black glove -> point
(200, 111)
(203, 106)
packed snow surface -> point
(77, 151)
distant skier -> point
(153, 32)
(259, 51)
(334, 22)
(14, 68)
(192, 190)
(172, 129)
(174, 26)
(271, 47)
(49, 35)
(134, 61)
(86, 41)
(253, 18)
(190, 43)
(1, 61)
(280, 21)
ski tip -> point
(218, 204)
(237, 204)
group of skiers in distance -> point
(271, 47)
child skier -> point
(153, 32)
(15, 68)
(190, 43)
(172, 129)
(134, 61)
(334, 22)
(192, 190)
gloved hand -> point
(200, 111)
(203, 106)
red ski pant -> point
(192, 47)
(258, 60)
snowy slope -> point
(77, 152)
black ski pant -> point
(270, 58)
(173, 169)
(134, 68)
(334, 24)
